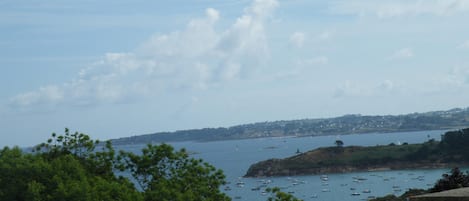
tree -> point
(457, 179)
(277, 195)
(74, 167)
(166, 174)
(339, 143)
(37, 177)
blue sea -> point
(235, 156)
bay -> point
(235, 156)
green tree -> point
(37, 177)
(74, 167)
(277, 195)
(165, 174)
(456, 179)
(339, 143)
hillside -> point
(348, 124)
(453, 150)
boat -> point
(240, 184)
(324, 177)
(366, 191)
(360, 178)
(355, 194)
(256, 188)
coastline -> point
(351, 169)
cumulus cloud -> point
(298, 39)
(196, 57)
(399, 8)
(404, 53)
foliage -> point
(403, 197)
(452, 149)
(339, 143)
(388, 198)
(36, 177)
(457, 179)
(277, 195)
(73, 167)
(171, 175)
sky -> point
(120, 68)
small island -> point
(451, 151)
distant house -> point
(460, 194)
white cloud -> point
(195, 58)
(399, 8)
(348, 88)
(41, 96)
(386, 85)
(359, 89)
(404, 53)
(320, 60)
(298, 39)
(325, 35)
(465, 44)
(458, 77)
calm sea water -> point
(235, 156)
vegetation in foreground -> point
(456, 179)
(73, 167)
(451, 151)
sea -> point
(235, 156)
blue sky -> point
(120, 68)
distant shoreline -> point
(343, 125)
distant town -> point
(347, 124)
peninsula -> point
(452, 150)
(347, 124)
